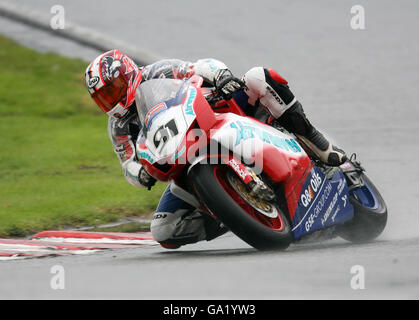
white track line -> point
(98, 241)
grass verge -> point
(57, 166)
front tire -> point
(215, 190)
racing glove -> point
(146, 179)
(226, 84)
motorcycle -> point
(256, 178)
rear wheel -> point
(261, 224)
(370, 213)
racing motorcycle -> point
(256, 178)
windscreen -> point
(158, 95)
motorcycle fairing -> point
(247, 137)
(167, 130)
(323, 203)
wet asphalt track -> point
(361, 87)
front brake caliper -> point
(259, 189)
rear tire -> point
(210, 184)
(368, 223)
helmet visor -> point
(111, 94)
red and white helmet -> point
(112, 79)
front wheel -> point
(261, 224)
(370, 213)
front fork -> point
(254, 184)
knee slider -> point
(163, 225)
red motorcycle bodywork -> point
(282, 167)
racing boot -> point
(294, 120)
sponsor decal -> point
(314, 186)
(345, 200)
(93, 82)
(322, 203)
(275, 95)
(329, 209)
(318, 208)
(189, 104)
(240, 171)
(160, 216)
(246, 131)
(145, 156)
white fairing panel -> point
(246, 137)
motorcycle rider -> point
(112, 79)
